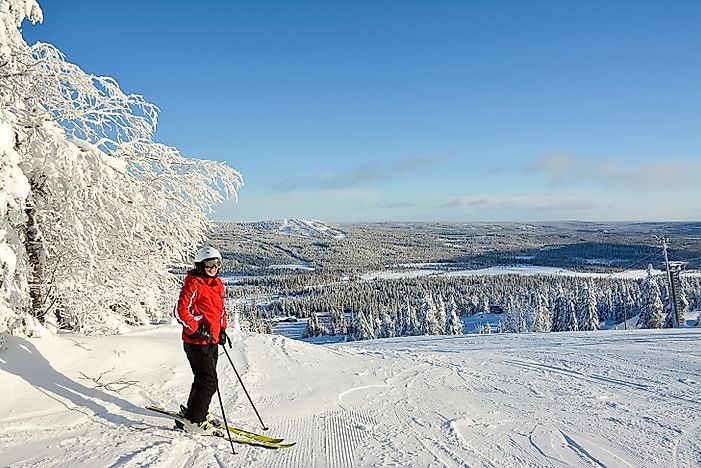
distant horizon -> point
(465, 222)
(415, 110)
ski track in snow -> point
(605, 399)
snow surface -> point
(425, 269)
(293, 267)
(310, 228)
(607, 398)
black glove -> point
(202, 333)
(224, 338)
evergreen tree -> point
(427, 315)
(570, 323)
(402, 323)
(441, 313)
(651, 311)
(366, 326)
(387, 325)
(589, 316)
(564, 313)
(314, 328)
(560, 310)
(414, 325)
(543, 321)
(337, 322)
(484, 305)
(510, 323)
(681, 310)
(454, 325)
(681, 313)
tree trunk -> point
(34, 245)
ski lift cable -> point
(629, 267)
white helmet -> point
(205, 253)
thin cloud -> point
(520, 203)
(460, 202)
(562, 169)
(366, 173)
(399, 205)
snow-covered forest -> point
(93, 212)
(430, 305)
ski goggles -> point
(212, 263)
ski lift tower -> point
(673, 269)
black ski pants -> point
(203, 362)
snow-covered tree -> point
(14, 185)
(484, 305)
(542, 322)
(428, 316)
(651, 311)
(570, 317)
(587, 308)
(564, 313)
(98, 211)
(453, 324)
(314, 328)
(682, 308)
(441, 314)
(366, 326)
(413, 324)
(387, 326)
(514, 321)
(337, 322)
(14, 189)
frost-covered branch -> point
(94, 212)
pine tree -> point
(402, 323)
(484, 305)
(313, 326)
(589, 316)
(510, 322)
(454, 325)
(387, 326)
(564, 313)
(570, 323)
(441, 315)
(414, 325)
(543, 321)
(427, 315)
(337, 322)
(651, 311)
(680, 311)
(560, 310)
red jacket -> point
(201, 301)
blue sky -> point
(416, 110)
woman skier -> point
(200, 310)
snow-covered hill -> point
(609, 398)
(310, 228)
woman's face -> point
(211, 266)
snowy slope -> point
(609, 398)
(310, 228)
(414, 270)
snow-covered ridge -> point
(310, 228)
(413, 270)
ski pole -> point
(221, 404)
(265, 428)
